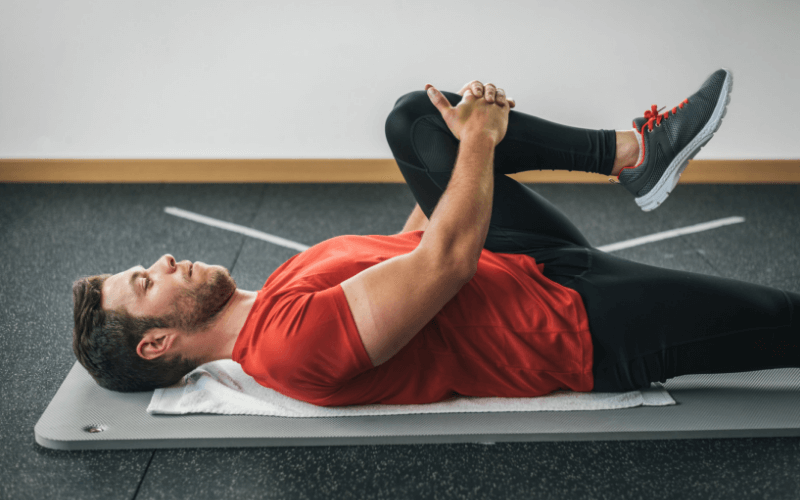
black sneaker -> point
(668, 141)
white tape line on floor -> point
(236, 228)
(672, 233)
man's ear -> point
(156, 342)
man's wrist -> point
(479, 136)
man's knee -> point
(407, 109)
(413, 97)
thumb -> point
(438, 100)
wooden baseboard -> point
(340, 171)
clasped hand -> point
(483, 110)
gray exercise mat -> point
(753, 404)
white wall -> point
(316, 79)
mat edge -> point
(408, 440)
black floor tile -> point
(681, 470)
(30, 471)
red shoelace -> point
(653, 116)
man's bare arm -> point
(418, 221)
(392, 301)
(460, 222)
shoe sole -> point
(672, 174)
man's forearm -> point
(458, 226)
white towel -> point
(223, 387)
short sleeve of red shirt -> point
(509, 332)
(304, 343)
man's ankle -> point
(627, 151)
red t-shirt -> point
(509, 332)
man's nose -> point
(168, 263)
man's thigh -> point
(636, 309)
(426, 152)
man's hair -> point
(105, 343)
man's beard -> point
(196, 309)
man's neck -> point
(217, 342)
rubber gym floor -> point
(51, 234)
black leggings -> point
(647, 324)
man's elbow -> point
(465, 270)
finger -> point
(438, 100)
(468, 96)
(511, 101)
(465, 87)
(471, 85)
(491, 92)
(501, 97)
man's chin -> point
(229, 294)
(230, 297)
